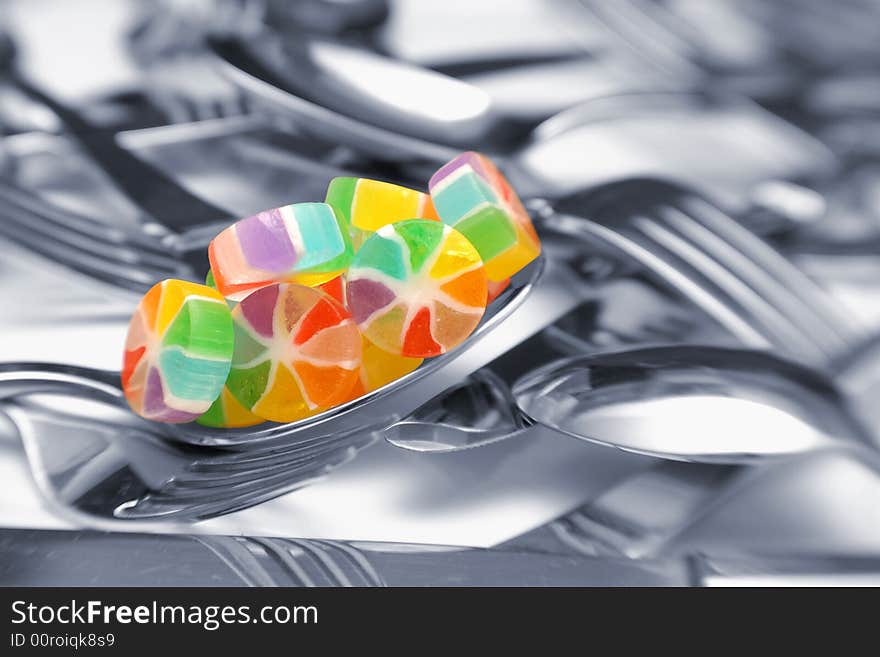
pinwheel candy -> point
(178, 351)
(417, 288)
(297, 352)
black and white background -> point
(768, 109)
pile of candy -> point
(312, 305)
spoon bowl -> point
(691, 403)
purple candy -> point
(471, 158)
(265, 242)
(366, 297)
(259, 309)
(154, 395)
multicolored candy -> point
(178, 352)
(470, 194)
(417, 288)
(306, 243)
(367, 205)
(297, 352)
(226, 411)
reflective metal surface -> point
(681, 392)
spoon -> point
(688, 403)
(385, 107)
(703, 404)
(362, 100)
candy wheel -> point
(417, 288)
(297, 352)
(178, 352)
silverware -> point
(692, 489)
(34, 557)
(132, 254)
(704, 404)
(691, 247)
(266, 460)
(582, 146)
(150, 189)
(113, 256)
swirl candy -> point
(227, 411)
(297, 352)
(178, 351)
(470, 194)
(367, 205)
(417, 288)
(306, 243)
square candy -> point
(470, 194)
(305, 243)
(368, 205)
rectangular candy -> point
(306, 243)
(470, 194)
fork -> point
(96, 249)
(190, 472)
(729, 274)
(691, 247)
(115, 257)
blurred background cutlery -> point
(631, 89)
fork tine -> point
(709, 248)
(113, 245)
(61, 218)
(236, 472)
(778, 268)
(104, 270)
(709, 287)
(782, 331)
(224, 465)
(171, 506)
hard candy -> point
(470, 194)
(227, 411)
(367, 205)
(178, 351)
(336, 289)
(297, 352)
(306, 243)
(417, 288)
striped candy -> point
(470, 194)
(305, 243)
(367, 205)
(178, 351)
(297, 352)
(417, 288)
